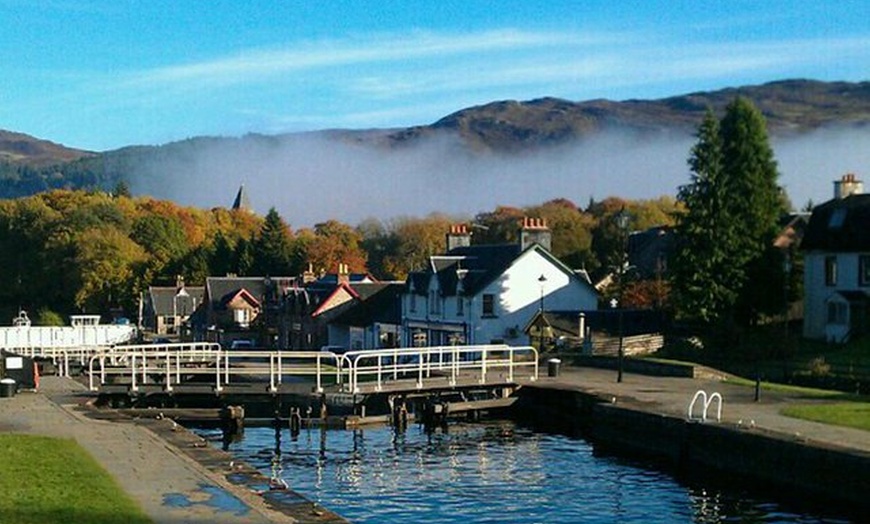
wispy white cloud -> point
(635, 62)
(255, 65)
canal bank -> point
(173, 475)
(649, 416)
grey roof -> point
(380, 304)
(648, 251)
(475, 266)
(221, 289)
(172, 301)
(839, 225)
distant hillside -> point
(792, 108)
(18, 148)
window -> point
(864, 270)
(413, 306)
(830, 271)
(460, 306)
(489, 305)
(434, 303)
(242, 317)
(837, 313)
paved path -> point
(169, 486)
(671, 396)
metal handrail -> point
(172, 364)
(383, 364)
(707, 401)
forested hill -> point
(791, 107)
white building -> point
(836, 248)
(487, 293)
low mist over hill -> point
(511, 153)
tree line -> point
(91, 251)
(68, 251)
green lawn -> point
(851, 414)
(45, 480)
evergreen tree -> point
(758, 205)
(272, 248)
(725, 264)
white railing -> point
(63, 344)
(381, 365)
(48, 337)
(706, 401)
(172, 364)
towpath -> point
(166, 482)
(672, 396)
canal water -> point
(493, 472)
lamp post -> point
(541, 280)
(622, 223)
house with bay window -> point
(484, 294)
(836, 248)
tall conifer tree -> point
(724, 264)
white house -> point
(486, 294)
(836, 248)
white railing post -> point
(380, 385)
(217, 373)
(483, 365)
(133, 386)
(168, 364)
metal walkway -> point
(194, 368)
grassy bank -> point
(45, 480)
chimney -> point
(179, 283)
(848, 185)
(459, 236)
(535, 231)
(343, 274)
(308, 275)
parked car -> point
(241, 343)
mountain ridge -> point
(501, 128)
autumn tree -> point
(416, 240)
(571, 231)
(334, 243)
(106, 262)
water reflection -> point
(493, 472)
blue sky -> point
(103, 74)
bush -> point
(47, 317)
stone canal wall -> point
(787, 463)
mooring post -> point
(295, 421)
(400, 414)
(323, 410)
(233, 420)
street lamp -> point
(621, 351)
(541, 280)
(622, 219)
